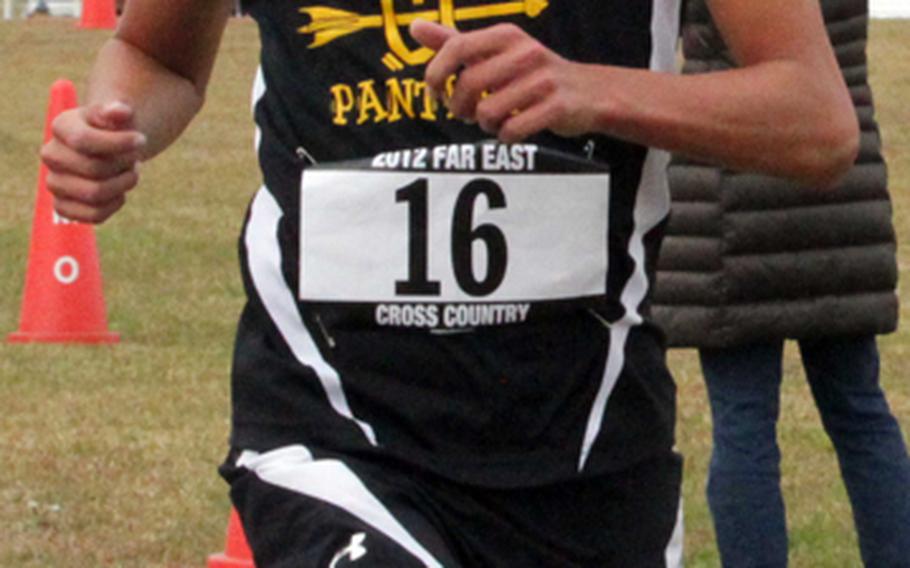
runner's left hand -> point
(508, 82)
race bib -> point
(458, 241)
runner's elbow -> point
(830, 153)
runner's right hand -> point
(92, 160)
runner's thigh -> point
(299, 511)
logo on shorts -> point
(328, 24)
(352, 552)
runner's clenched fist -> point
(92, 160)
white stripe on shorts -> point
(293, 468)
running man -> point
(446, 358)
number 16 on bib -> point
(393, 236)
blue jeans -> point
(744, 475)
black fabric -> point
(500, 406)
(574, 524)
(749, 257)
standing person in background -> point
(406, 395)
(749, 261)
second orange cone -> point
(237, 552)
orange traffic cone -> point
(62, 301)
(237, 552)
(98, 14)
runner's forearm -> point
(768, 117)
(160, 62)
(164, 103)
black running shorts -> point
(302, 508)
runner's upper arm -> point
(790, 36)
(758, 31)
(780, 31)
(180, 35)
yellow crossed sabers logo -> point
(328, 24)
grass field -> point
(109, 452)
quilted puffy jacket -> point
(749, 257)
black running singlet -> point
(421, 294)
